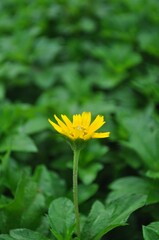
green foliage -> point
(145, 146)
(145, 187)
(65, 57)
(62, 218)
(18, 142)
(22, 234)
(25, 209)
(151, 231)
(86, 192)
(102, 218)
(49, 183)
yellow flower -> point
(81, 126)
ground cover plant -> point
(68, 57)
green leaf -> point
(86, 191)
(26, 209)
(35, 125)
(152, 174)
(102, 218)
(49, 183)
(62, 218)
(22, 234)
(18, 142)
(6, 237)
(10, 172)
(151, 232)
(143, 186)
(45, 45)
(120, 62)
(148, 41)
(148, 83)
(26, 234)
(143, 137)
(89, 173)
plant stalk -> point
(75, 190)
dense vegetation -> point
(66, 57)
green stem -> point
(75, 190)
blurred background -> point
(68, 56)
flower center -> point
(78, 131)
(79, 128)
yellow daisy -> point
(81, 126)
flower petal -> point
(67, 121)
(96, 124)
(76, 120)
(61, 124)
(87, 136)
(86, 119)
(101, 135)
(57, 127)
